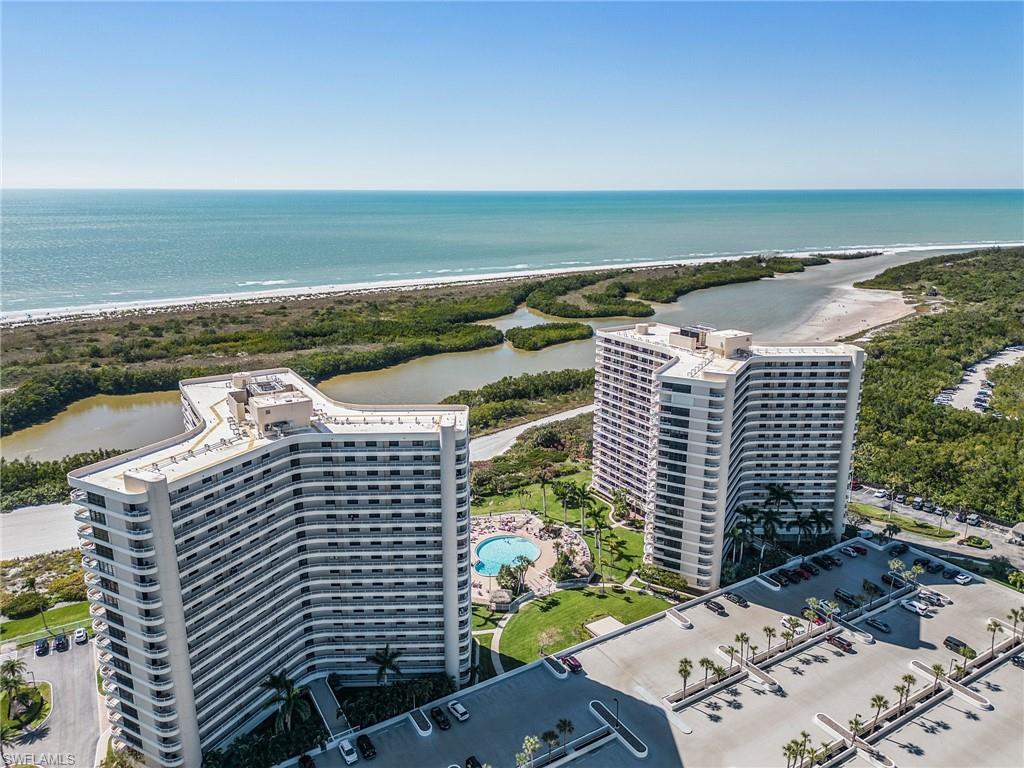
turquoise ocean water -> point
(75, 248)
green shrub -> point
(537, 337)
(22, 604)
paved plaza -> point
(633, 670)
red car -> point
(819, 620)
(862, 551)
(572, 664)
(841, 643)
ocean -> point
(64, 249)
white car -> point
(348, 752)
(916, 607)
(848, 551)
(963, 578)
(81, 637)
(458, 711)
(879, 494)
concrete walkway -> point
(488, 446)
(327, 703)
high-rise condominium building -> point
(281, 532)
(694, 423)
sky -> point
(513, 96)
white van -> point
(973, 520)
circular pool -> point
(503, 550)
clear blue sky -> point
(458, 96)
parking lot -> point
(744, 725)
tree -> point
(752, 650)
(995, 628)
(810, 616)
(855, 724)
(937, 670)
(386, 661)
(16, 667)
(10, 684)
(522, 494)
(720, 672)
(891, 531)
(685, 668)
(550, 738)
(910, 681)
(521, 565)
(125, 758)
(791, 751)
(770, 519)
(742, 638)
(706, 664)
(561, 491)
(600, 526)
(543, 479)
(788, 635)
(1016, 580)
(565, 727)
(831, 609)
(731, 650)
(620, 501)
(530, 746)
(769, 633)
(1016, 615)
(291, 701)
(900, 690)
(821, 519)
(803, 526)
(738, 536)
(9, 736)
(879, 702)
(895, 566)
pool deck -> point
(528, 527)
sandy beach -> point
(298, 293)
(850, 312)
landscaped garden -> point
(23, 705)
(66, 618)
(557, 621)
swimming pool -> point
(502, 550)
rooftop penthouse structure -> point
(283, 531)
(693, 423)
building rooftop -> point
(702, 351)
(241, 413)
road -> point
(495, 444)
(998, 536)
(70, 734)
(970, 385)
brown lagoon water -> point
(773, 309)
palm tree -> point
(522, 494)
(995, 628)
(521, 565)
(910, 681)
(896, 566)
(891, 531)
(685, 668)
(753, 649)
(551, 739)
(562, 493)
(831, 608)
(787, 635)
(600, 526)
(291, 701)
(937, 670)
(738, 537)
(855, 725)
(16, 667)
(900, 691)
(879, 702)
(565, 727)
(1016, 615)
(810, 616)
(770, 520)
(9, 736)
(620, 501)
(805, 739)
(820, 519)
(706, 664)
(10, 685)
(543, 479)
(742, 638)
(386, 661)
(803, 526)
(530, 746)
(791, 750)
(731, 650)
(769, 632)
(720, 672)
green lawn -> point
(66, 618)
(487, 670)
(559, 620)
(485, 618)
(42, 697)
(623, 548)
(908, 524)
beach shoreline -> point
(299, 293)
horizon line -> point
(486, 190)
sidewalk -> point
(326, 702)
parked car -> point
(859, 549)
(917, 607)
(924, 562)
(866, 533)
(927, 506)
(809, 567)
(961, 517)
(900, 498)
(930, 598)
(715, 607)
(1018, 660)
(848, 551)
(60, 643)
(837, 562)
(956, 645)
(732, 597)
(949, 573)
(878, 624)
(460, 712)
(935, 567)
(784, 578)
(366, 748)
(823, 562)
(879, 494)
(963, 578)
(917, 504)
(846, 597)
(972, 520)
(472, 762)
(42, 646)
(572, 664)
(81, 637)
(305, 761)
(796, 575)
(892, 580)
(348, 752)
(798, 629)
(773, 579)
(438, 716)
(898, 549)
(840, 642)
